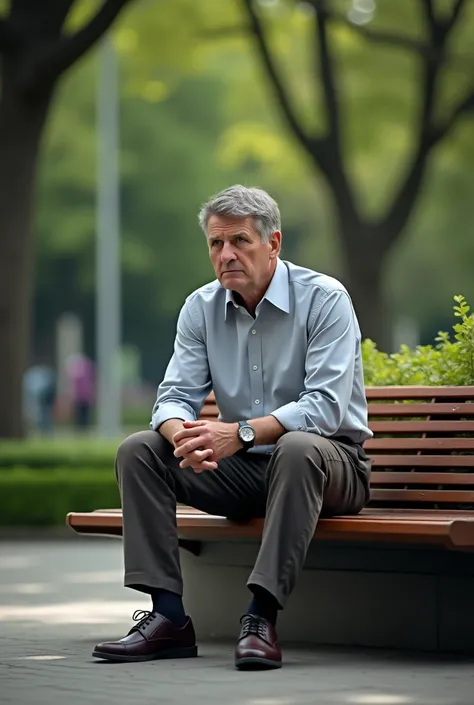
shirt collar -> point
(278, 292)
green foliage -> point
(32, 498)
(448, 362)
(79, 453)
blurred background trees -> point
(199, 111)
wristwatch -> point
(246, 434)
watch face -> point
(247, 433)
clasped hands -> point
(201, 444)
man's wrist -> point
(267, 430)
(235, 435)
(169, 427)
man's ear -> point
(275, 244)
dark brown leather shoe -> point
(154, 637)
(257, 646)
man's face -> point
(241, 261)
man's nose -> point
(227, 253)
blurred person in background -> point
(40, 396)
(81, 377)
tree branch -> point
(326, 71)
(380, 36)
(334, 163)
(377, 36)
(464, 107)
(310, 143)
(430, 16)
(407, 195)
(428, 135)
(8, 41)
(63, 54)
(428, 51)
(459, 6)
(440, 27)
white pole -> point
(108, 308)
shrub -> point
(448, 362)
(76, 453)
(43, 498)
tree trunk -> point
(21, 125)
(364, 277)
(366, 290)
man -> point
(280, 347)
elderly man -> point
(280, 346)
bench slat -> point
(415, 409)
(435, 496)
(422, 478)
(433, 461)
(447, 444)
(379, 514)
(412, 427)
(425, 392)
(453, 530)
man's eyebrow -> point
(239, 234)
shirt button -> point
(257, 401)
(255, 367)
(254, 331)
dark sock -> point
(263, 605)
(170, 605)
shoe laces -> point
(254, 626)
(143, 617)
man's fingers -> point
(190, 446)
(195, 429)
(196, 457)
(205, 467)
(198, 465)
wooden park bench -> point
(399, 574)
(422, 484)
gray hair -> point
(242, 202)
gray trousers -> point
(305, 477)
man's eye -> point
(216, 243)
(241, 238)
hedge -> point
(76, 453)
(43, 498)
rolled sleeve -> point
(171, 410)
(291, 417)
(187, 380)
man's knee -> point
(135, 447)
(299, 453)
(297, 444)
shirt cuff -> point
(170, 411)
(291, 417)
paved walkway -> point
(58, 598)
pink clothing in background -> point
(81, 378)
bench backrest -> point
(423, 446)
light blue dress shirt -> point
(299, 359)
